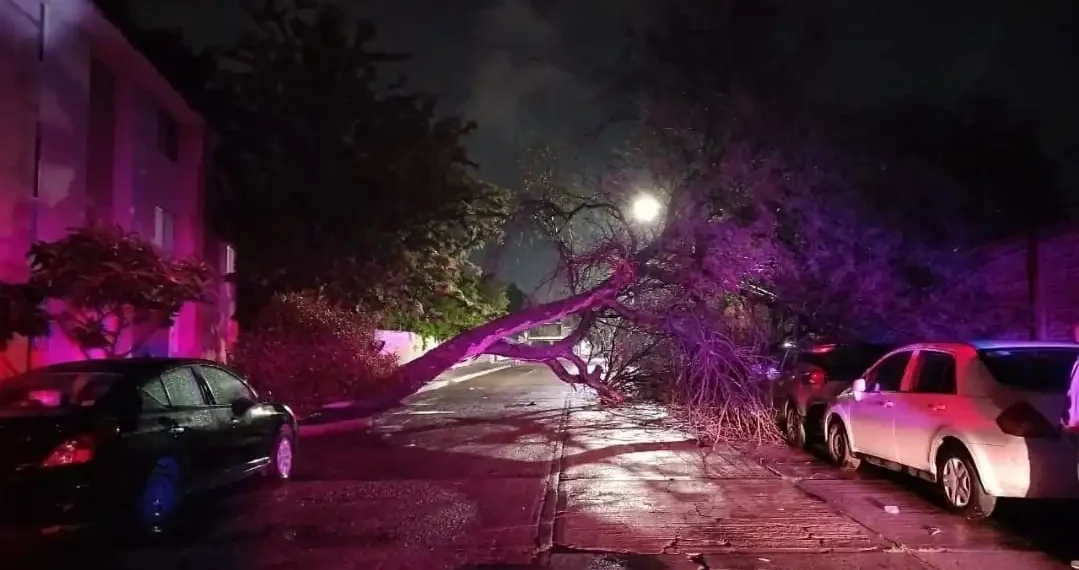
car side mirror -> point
(241, 406)
(858, 388)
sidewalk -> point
(629, 483)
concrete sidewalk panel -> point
(989, 560)
(654, 516)
(919, 523)
(769, 561)
(657, 460)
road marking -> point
(435, 385)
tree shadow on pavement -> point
(442, 491)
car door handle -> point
(172, 427)
(887, 403)
(937, 407)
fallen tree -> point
(767, 225)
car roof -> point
(126, 366)
(995, 344)
(989, 344)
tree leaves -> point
(111, 281)
(335, 179)
(21, 313)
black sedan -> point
(130, 439)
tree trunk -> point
(414, 375)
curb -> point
(437, 384)
(335, 427)
(314, 430)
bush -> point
(309, 354)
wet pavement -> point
(513, 470)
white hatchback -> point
(981, 419)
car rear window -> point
(54, 390)
(1045, 370)
(845, 363)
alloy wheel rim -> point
(792, 425)
(838, 445)
(284, 458)
(956, 481)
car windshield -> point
(1045, 370)
(845, 363)
(54, 390)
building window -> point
(164, 230)
(230, 260)
(42, 14)
(168, 136)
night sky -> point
(531, 72)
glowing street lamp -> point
(646, 208)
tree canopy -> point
(335, 178)
(329, 173)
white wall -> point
(409, 346)
(406, 345)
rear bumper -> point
(1030, 469)
(39, 498)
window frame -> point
(203, 388)
(911, 386)
(870, 374)
(252, 394)
(168, 135)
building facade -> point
(91, 132)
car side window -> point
(224, 386)
(887, 375)
(154, 397)
(183, 388)
(935, 374)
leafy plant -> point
(112, 282)
(21, 312)
(308, 353)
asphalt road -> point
(514, 470)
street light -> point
(646, 208)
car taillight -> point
(74, 451)
(817, 377)
(1023, 420)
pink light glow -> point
(79, 143)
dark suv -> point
(810, 377)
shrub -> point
(308, 354)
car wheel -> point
(158, 502)
(794, 430)
(961, 486)
(282, 458)
(839, 447)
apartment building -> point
(89, 131)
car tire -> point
(158, 501)
(794, 429)
(282, 456)
(961, 486)
(839, 450)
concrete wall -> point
(409, 346)
(81, 123)
(406, 345)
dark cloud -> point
(530, 71)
